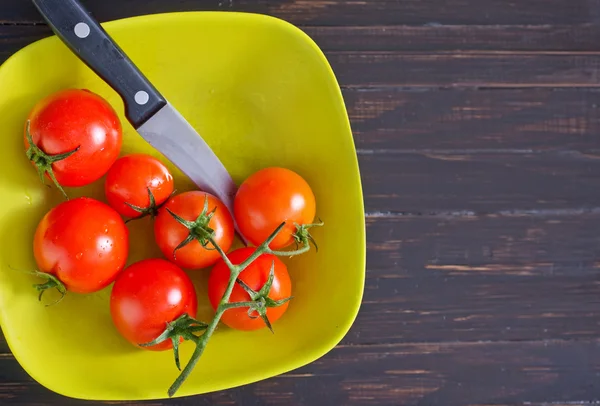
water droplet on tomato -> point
(79, 255)
(105, 230)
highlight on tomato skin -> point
(170, 233)
(146, 296)
(134, 182)
(269, 197)
(78, 121)
(83, 242)
(255, 277)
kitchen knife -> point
(154, 118)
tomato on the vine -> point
(181, 243)
(83, 243)
(146, 296)
(254, 276)
(77, 136)
(137, 185)
(268, 198)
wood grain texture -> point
(465, 182)
(446, 374)
(524, 277)
(344, 12)
(510, 120)
(435, 37)
(477, 129)
(463, 69)
(401, 38)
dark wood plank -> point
(521, 245)
(475, 308)
(493, 119)
(409, 374)
(458, 183)
(469, 278)
(428, 38)
(457, 37)
(341, 12)
(465, 69)
(15, 37)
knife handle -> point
(74, 25)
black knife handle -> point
(74, 25)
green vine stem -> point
(259, 300)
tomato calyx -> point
(152, 209)
(261, 299)
(43, 161)
(199, 229)
(302, 236)
(51, 283)
(183, 327)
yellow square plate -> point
(262, 94)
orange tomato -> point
(268, 198)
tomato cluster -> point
(74, 138)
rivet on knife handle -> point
(82, 33)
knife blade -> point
(193, 157)
(153, 117)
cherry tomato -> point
(129, 179)
(71, 119)
(82, 242)
(169, 233)
(255, 276)
(146, 296)
(268, 198)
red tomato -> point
(169, 233)
(268, 198)
(82, 242)
(255, 276)
(146, 296)
(129, 179)
(74, 118)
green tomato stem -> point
(236, 305)
(235, 271)
(43, 162)
(299, 251)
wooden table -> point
(477, 124)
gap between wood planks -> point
(500, 213)
(467, 151)
(433, 344)
(425, 87)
